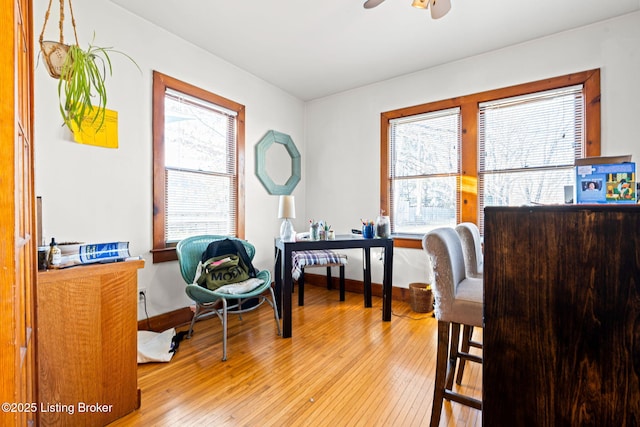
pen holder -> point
(313, 232)
(367, 231)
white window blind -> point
(200, 167)
(527, 148)
(424, 171)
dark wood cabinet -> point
(562, 316)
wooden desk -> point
(284, 281)
(87, 344)
(562, 316)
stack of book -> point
(96, 253)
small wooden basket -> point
(421, 297)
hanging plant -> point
(81, 74)
(82, 78)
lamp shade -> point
(439, 8)
(287, 207)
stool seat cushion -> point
(317, 258)
(467, 305)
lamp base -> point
(287, 233)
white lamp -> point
(287, 210)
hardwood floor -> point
(342, 367)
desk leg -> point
(278, 281)
(287, 290)
(367, 277)
(387, 289)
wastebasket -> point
(421, 297)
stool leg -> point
(441, 372)
(453, 354)
(301, 289)
(341, 282)
(466, 338)
(329, 283)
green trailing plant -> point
(81, 85)
(81, 73)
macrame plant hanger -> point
(55, 53)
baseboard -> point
(183, 316)
(164, 321)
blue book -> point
(103, 252)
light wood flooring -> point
(342, 367)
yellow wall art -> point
(91, 133)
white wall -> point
(94, 194)
(343, 131)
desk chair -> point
(318, 258)
(474, 266)
(459, 301)
(189, 252)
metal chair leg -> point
(193, 320)
(224, 329)
(275, 310)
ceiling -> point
(317, 48)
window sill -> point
(164, 255)
(412, 241)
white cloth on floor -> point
(155, 346)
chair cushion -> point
(317, 258)
(468, 304)
(240, 287)
(203, 295)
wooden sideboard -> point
(562, 316)
(87, 344)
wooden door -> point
(17, 240)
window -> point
(198, 139)
(425, 164)
(527, 147)
(443, 162)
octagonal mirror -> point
(270, 155)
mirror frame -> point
(262, 147)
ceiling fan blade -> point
(370, 4)
(439, 8)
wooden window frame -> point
(162, 251)
(469, 111)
